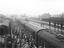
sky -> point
(31, 7)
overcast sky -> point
(31, 7)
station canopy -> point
(57, 20)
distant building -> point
(45, 16)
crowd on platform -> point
(21, 39)
(17, 40)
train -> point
(44, 33)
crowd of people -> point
(22, 38)
(17, 39)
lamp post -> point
(49, 25)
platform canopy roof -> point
(58, 20)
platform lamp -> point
(49, 25)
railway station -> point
(20, 34)
(16, 34)
(31, 23)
